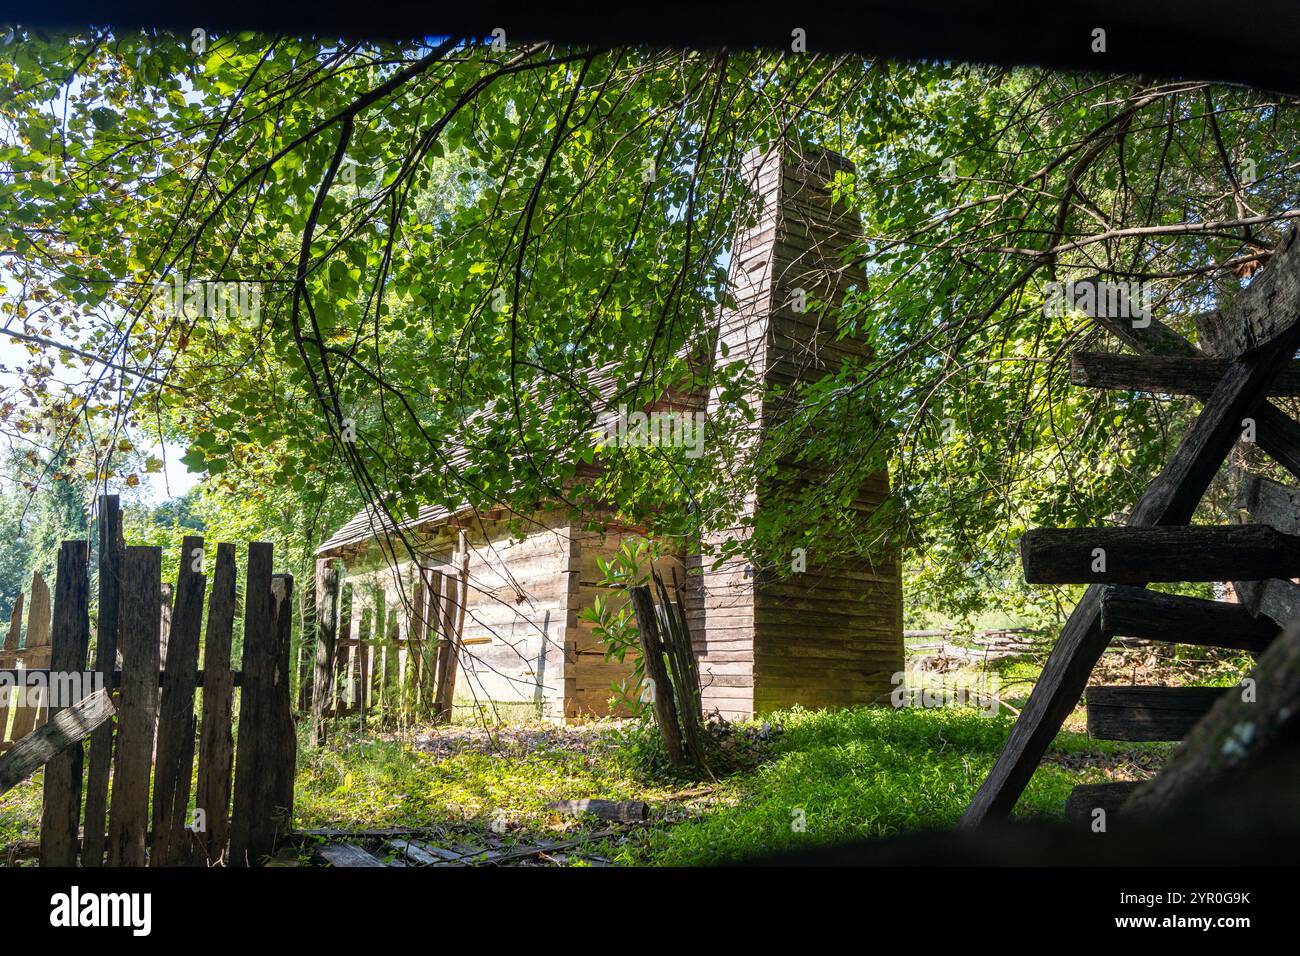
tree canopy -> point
(326, 267)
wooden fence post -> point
(661, 688)
(174, 765)
(138, 706)
(106, 640)
(216, 744)
(61, 807)
(327, 587)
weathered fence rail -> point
(136, 707)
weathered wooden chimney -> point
(830, 635)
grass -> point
(827, 776)
(819, 776)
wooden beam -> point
(1169, 499)
(1141, 555)
(1164, 374)
(66, 729)
(1142, 713)
(1137, 612)
(1276, 432)
(1262, 313)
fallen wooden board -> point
(347, 854)
(623, 811)
(65, 729)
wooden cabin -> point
(829, 636)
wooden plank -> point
(8, 652)
(1139, 555)
(660, 687)
(327, 587)
(61, 799)
(174, 761)
(1169, 499)
(106, 640)
(1137, 612)
(623, 811)
(38, 637)
(1164, 374)
(216, 743)
(69, 727)
(1085, 799)
(282, 745)
(1141, 713)
(258, 814)
(347, 854)
(137, 705)
(1242, 734)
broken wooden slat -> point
(1139, 555)
(1164, 374)
(1141, 713)
(137, 706)
(252, 821)
(8, 655)
(1137, 612)
(101, 741)
(347, 854)
(1170, 499)
(68, 728)
(61, 804)
(34, 655)
(174, 761)
(623, 811)
(414, 852)
(1087, 798)
(656, 673)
